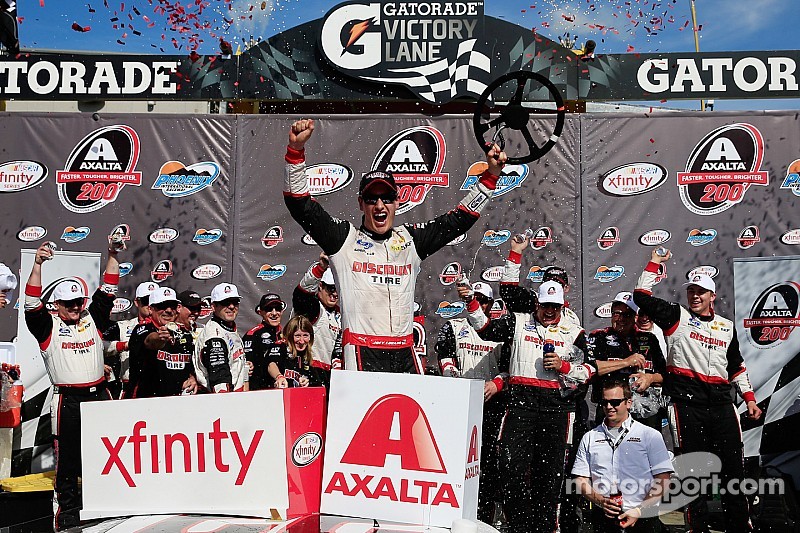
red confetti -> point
(631, 49)
(652, 140)
(41, 3)
(82, 29)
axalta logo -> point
(632, 179)
(700, 237)
(163, 235)
(125, 268)
(274, 236)
(390, 417)
(511, 177)
(498, 308)
(721, 169)
(494, 238)
(608, 238)
(654, 237)
(205, 308)
(327, 178)
(541, 238)
(150, 451)
(31, 233)
(709, 270)
(661, 275)
(121, 305)
(16, 176)
(450, 309)
(204, 237)
(792, 179)
(458, 240)
(120, 233)
(536, 274)
(415, 157)
(98, 169)
(748, 237)
(450, 273)
(207, 271)
(603, 311)
(176, 180)
(774, 315)
(271, 272)
(606, 274)
(420, 337)
(73, 234)
(492, 274)
(306, 448)
(161, 271)
(791, 237)
(47, 291)
(306, 239)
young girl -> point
(292, 367)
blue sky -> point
(726, 25)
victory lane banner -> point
(253, 454)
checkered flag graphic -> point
(33, 438)
(440, 81)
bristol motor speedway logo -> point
(176, 180)
(774, 315)
(98, 168)
(434, 48)
(511, 177)
(721, 169)
(415, 157)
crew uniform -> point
(327, 353)
(376, 273)
(537, 428)
(163, 371)
(73, 357)
(293, 368)
(261, 344)
(219, 361)
(703, 363)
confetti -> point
(82, 29)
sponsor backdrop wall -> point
(202, 197)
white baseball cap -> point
(327, 278)
(704, 281)
(68, 290)
(8, 282)
(627, 299)
(146, 289)
(483, 288)
(163, 294)
(551, 292)
(223, 291)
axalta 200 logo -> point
(98, 168)
(415, 157)
(721, 169)
(774, 315)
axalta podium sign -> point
(396, 452)
(435, 47)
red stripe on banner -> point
(304, 417)
(533, 382)
(716, 380)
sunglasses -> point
(385, 198)
(625, 314)
(551, 306)
(77, 302)
(329, 288)
(229, 302)
(194, 308)
(271, 308)
(613, 402)
(166, 305)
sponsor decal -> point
(495, 238)
(418, 327)
(121, 305)
(16, 176)
(510, 177)
(492, 274)
(125, 269)
(655, 237)
(458, 240)
(366, 245)
(748, 237)
(632, 179)
(700, 237)
(327, 178)
(417, 307)
(73, 234)
(204, 237)
(31, 233)
(541, 238)
(306, 239)
(306, 448)
(774, 315)
(98, 168)
(274, 236)
(120, 233)
(708, 270)
(161, 271)
(450, 273)
(415, 157)
(536, 274)
(661, 275)
(163, 235)
(498, 309)
(721, 169)
(608, 238)
(449, 310)
(176, 180)
(270, 272)
(791, 237)
(607, 274)
(47, 291)
(792, 179)
(435, 49)
(205, 308)
(603, 311)
(207, 271)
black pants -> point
(400, 361)
(65, 414)
(602, 524)
(490, 489)
(569, 516)
(714, 429)
(533, 447)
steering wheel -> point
(515, 116)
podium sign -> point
(250, 454)
(403, 447)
